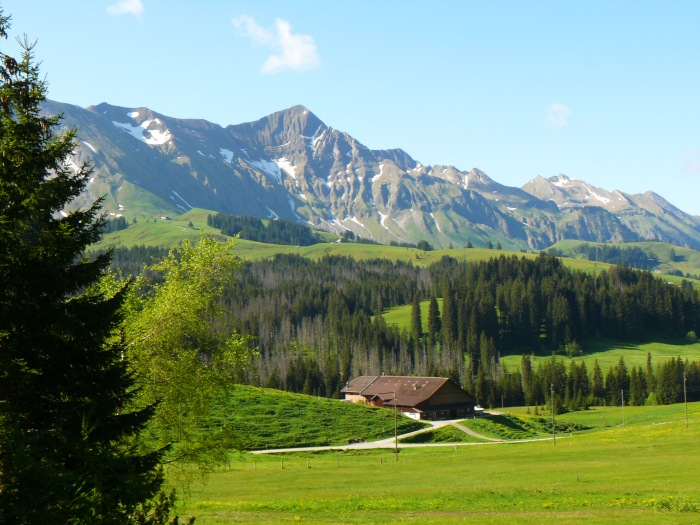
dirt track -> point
(389, 443)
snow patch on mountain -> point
(152, 137)
(382, 221)
(133, 114)
(183, 200)
(272, 215)
(227, 154)
(317, 139)
(287, 167)
(596, 196)
(381, 169)
(563, 182)
(356, 221)
(268, 167)
(435, 221)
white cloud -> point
(691, 164)
(126, 7)
(296, 52)
(558, 116)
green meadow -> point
(156, 231)
(641, 472)
(608, 354)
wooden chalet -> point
(416, 397)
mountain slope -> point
(293, 166)
(647, 216)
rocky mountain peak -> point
(280, 128)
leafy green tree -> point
(69, 435)
(182, 359)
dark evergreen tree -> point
(433, 320)
(527, 380)
(68, 427)
(597, 385)
(416, 322)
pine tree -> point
(597, 385)
(434, 323)
(416, 322)
(69, 451)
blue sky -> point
(604, 91)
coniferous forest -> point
(317, 324)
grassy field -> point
(608, 354)
(671, 258)
(644, 472)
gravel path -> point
(389, 443)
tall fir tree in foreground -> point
(69, 447)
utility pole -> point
(554, 431)
(396, 429)
(685, 400)
(396, 425)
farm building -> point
(416, 397)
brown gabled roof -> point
(410, 391)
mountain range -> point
(291, 165)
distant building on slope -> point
(416, 397)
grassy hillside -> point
(161, 231)
(266, 418)
(157, 231)
(641, 473)
(671, 258)
(608, 354)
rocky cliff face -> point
(293, 166)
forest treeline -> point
(276, 231)
(318, 323)
(576, 388)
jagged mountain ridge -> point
(293, 166)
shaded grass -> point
(509, 426)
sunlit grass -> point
(642, 472)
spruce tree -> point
(69, 448)
(416, 321)
(434, 323)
